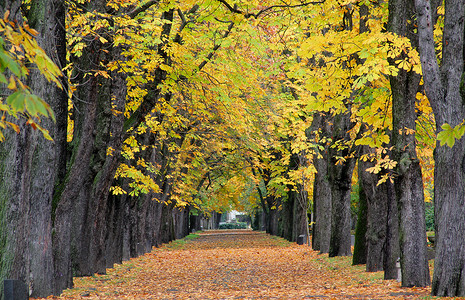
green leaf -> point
(16, 100)
(364, 54)
(459, 131)
(447, 136)
(31, 106)
(3, 79)
(7, 62)
(35, 106)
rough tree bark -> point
(360, 246)
(30, 164)
(270, 206)
(74, 194)
(115, 231)
(408, 182)
(287, 216)
(340, 181)
(382, 220)
(340, 174)
(85, 189)
(391, 247)
(321, 194)
(444, 87)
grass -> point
(180, 244)
(280, 242)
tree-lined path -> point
(238, 265)
(127, 124)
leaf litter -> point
(238, 264)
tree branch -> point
(433, 84)
(138, 10)
(210, 55)
(258, 14)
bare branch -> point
(258, 14)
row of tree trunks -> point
(395, 212)
(284, 216)
(288, 220)
(136, 225)
(202, 221)
(92, 229)
(376, 235)
(379, 243)
(81, 214)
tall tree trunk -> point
(340, 173)
(273, 204)
(340, 181)
(445, 90)
(30, 163)
(48, 18)
(408, 182)
(287, 216)
(75, 193)
(391, 247)
(360, 245)
(322, 203)
(381, 234)
(300, 219)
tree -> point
(340, 168)
(29, 160)
(321, 193)
(381, 236)
(444, 89)
(408, 183)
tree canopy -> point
(216, 105)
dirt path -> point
(238, 265)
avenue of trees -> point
(127, 124)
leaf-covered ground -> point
(238, 265)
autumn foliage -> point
(166, 114)
(237, 265)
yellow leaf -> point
(12, 84)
